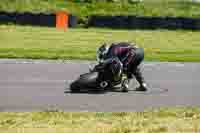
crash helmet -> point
(101, 52)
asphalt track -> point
(27, 85)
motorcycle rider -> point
(130, 56)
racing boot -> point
(140, 79)
(125, 84)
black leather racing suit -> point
(130, 56)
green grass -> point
(165, 120)
(50, 43)
(176, 8)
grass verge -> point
(50, 43)
(165, 120)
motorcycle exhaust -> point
(103, 84)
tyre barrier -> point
(116, 22)
(40, 19)
(73, 21)
(133, 22)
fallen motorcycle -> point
(104, 76)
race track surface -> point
(27, 85)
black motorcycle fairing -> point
(106, 73)
(100, 73)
